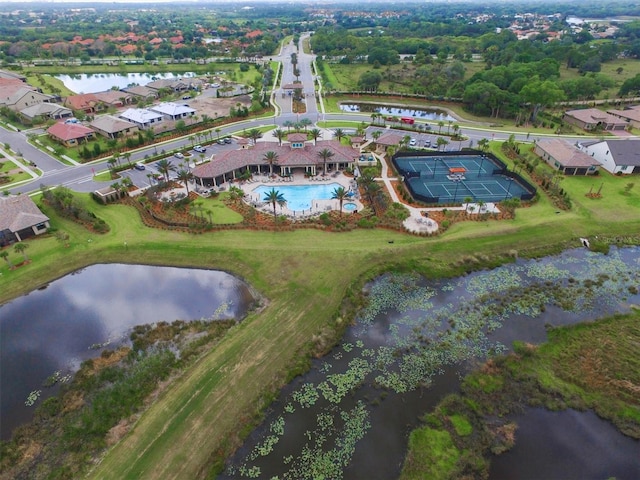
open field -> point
(303, 275)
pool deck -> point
(318, 207)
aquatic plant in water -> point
(431, 326)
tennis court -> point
(448, 179)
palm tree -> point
(271, 158)
(274, 197)
(483, 143)
(279, 134)
(374, 117)
(218, 133)
(440, 125)
(20, 248)
(339, 134)
(441, 142)
(165, 167)
(254, 134)
(376, 134)
(127, 157)
(325, 154)
(316, 134)
(305, 122)
(5, 255)
(339, 194)
(288, 124)
(449, 122)
(404, 142)
(185, 176)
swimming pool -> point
(298, 197)
(349, 207)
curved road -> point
(79, 177)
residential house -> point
(142, 117)
(70, 134)
(141, 91)
(565, 157)
(12, 75)
(295, 155)
(20, 219)
(173, 111)
(175, 85)
(46, 111)
(631, 115)
(114, 98)
(113, 127)
(88, 103)
(593, 119)
(619, 157)
(17, 95)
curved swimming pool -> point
(298, 197)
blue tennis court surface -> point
(453, 178)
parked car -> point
(221, 141)
(178, 155)
(200, 148)
(139, 166)
(427, 143)
(228, 140)
(412, 142)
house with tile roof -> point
(142, 117)
(46, 111)
(387, 140)
(620, 157)
(141, 91)
(173, 111)
(115, 98)
(565, 157)
(113, 127)
(630, 115)
(17, 95)
(70, 134)
(85, 102)
(176, 85)
(20, 219)
(593, 119)
(305, 158)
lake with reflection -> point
(432, 114)
(101, 82)
(351, 414)
(57, 327)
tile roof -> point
(593, 115)
(630, 113)
(81, 101)
(69, 131)
(19, 212)
(33, 111)
(566, 154)
(231, 160)
(111, 124)
(389, 139)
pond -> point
(57, 327)
(101, 82)
(432, 114)
(350, 416)
(570, 445)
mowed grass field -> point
(303, 276)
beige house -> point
(17, 96)
(20, 219)
(565, 157)
(593, 119)
(387, 140)
(630, 115)
(113, 127)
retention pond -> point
(350, 416)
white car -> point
(178, 155)
(200, 148)
(412, 142)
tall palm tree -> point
(449, 122)
(185, 176)
(274, 197)
(254, 134)
(339, 134)
(271, 158)
(288, 124)
(305, 122)
(316, 134)
(376, 134)
(483, 143)
(165, 167)
(20, 248)
(440, 125)
(441, 142)
(325, 154)
(279, 134)
(339, 193)
(127, 157)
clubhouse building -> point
(296, 155)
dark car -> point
(228, 140)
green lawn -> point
(305, 277)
